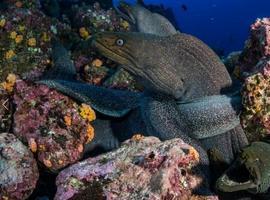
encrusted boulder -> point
(257, 47)
(254, 68)
(18, 169)
(53, 125)
(142, 168)
(255, 117)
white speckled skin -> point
(175, 67)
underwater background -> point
(222, 24)
(92, 107)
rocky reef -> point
(142, 168)
(51, 125)
(256, 48)
(24, 42)
(254, 68)
(55, 127)
(5, 111)
(19, 171)
(50, 130)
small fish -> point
(184, 7)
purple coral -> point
(50, 123)
(18, 169)
(144, 168)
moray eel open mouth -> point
(250, 171)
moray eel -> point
(249, 172)
(144, 20)
(176, 103)
(174, 69)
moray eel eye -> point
(119, 42)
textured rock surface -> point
(254, 65)
(18, 169)
(142, 168)
(5, 111)
(257, 47)
(54, 126)
(256, 101)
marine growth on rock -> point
(53, 125)
(254, 66)
(18, 169)
(142, 168)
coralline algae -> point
(54, 126)
(5, 111)
(255, 66)
(142, 168)
(257, 47)
(18, 169)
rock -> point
(18, 169)
(254, 68)
(255, 117)
(121, 79)
(257, 47)
(53, 125)
(5, 111)
(142, 168)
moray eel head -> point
(250, 171)
(125, 10)
(144, 55)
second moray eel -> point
(144, 20)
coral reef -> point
(142, 168)
(19, 172)
(122, 80)
(94, 18)
(30, 4)
(254, 66)
(257, 47)
(5, 111)
(256, 101)
(25, 43)
(54, 126)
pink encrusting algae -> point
(51, 124)
(19, 171)
(143, 168)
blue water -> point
(222, 24)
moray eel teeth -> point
(249, 172)
(228, 183)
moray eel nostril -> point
(249, 172)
